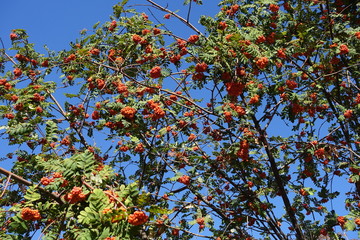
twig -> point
(170, 92)
(195, 234)
(6, 185)
(61, 110)
(12, 60)
(109, 194)
(176, 15)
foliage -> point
(238, 131)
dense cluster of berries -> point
(30, 214)
(122, 89)
(139, 148)
(228, 116)
(234, 88)
(254, 99)
(70, 58)
(128, 112)
(201, 67)
(291, 84)
(341, 220)
(66, 141)
(46, 181)
(136, 38)
(184, 179)
(95, 115)
(320, 153)
(191, 137)
(343, 49)
(6, 84)
(240, 110)
(274, 8)
(232, 10)
(75, 195)
(357, 35)
(137, 218)
(193, 38)
(262, 62)
(158, 111)
(222, 25)
(348, 113)
(281, 53)
(243, 152)
(13, 36)
(17, 72)
(155, 72)
(112, 26)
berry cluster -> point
(30, 214)
(128, 112)
(76, 195)
(184, 180)
(155, 72)
(158, 111)
(137, 218)
(234, 88)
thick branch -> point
(19, 179)
(278, 179)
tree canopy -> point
(241, 125)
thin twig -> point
(6, 185)
(195, 234)
(176, 15)
(82, 139)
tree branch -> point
(176, 15)
(19, 179)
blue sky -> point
(54, 23)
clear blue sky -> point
(54, 23)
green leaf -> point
(70, 95)
(98, 200)
(18, 225)
(51, 131)
(88, 216)
(21, 129)
(31, 194)
(350, 225)
(159, 210)
(105, 233)
(96, 25)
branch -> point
(82, 139)
(170, 92)
(6, 185)
(214, 208)
(19, 179)
(278, 179)
(331, 104)
(198, 235)
(176, 15)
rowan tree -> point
(244, 126)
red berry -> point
(13, 36)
